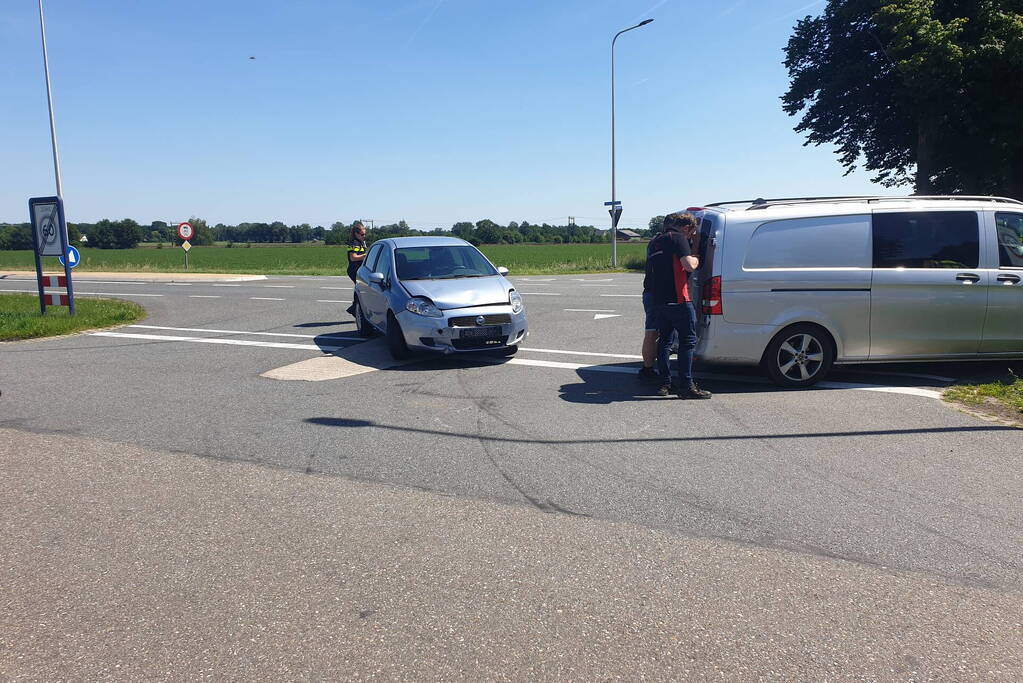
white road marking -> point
(265, 298)
(598, 285)
(332, 301)
(635, 295)
(541, 294)
(590, 310)
(260, 334)
(178, 284)
(229, 342)
(550, 279)
(579, 279)
(335, 287)
(601, 316)
(280, 286)
(203, 296)
(35, 291)
(108, 282)
(939, 378)
(583, 353)
(227, 285)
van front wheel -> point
(799, 356)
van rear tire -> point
(799, 356)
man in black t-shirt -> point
(669, 261)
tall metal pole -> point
(49, 103)
(614, 205)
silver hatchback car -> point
(437, 294)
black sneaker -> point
(695, 392)
(648, 375)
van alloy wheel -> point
(799, 356)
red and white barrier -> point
(55, 299)
(54, 281)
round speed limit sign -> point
(185, 231)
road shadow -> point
(357, 423)
(601, 386)
(336, 323)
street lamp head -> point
(645, 22)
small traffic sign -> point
(186, 245)
(614, 203)
(73, 257)
(185, 231)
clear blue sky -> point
(433, 111)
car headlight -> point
(421, 306)
(515, 299)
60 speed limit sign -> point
(185, 231)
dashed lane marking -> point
(335, 287)
(35, 291)
(204, 296)
(265, 298)
(332, 301)
(541, 293)
(279, 286)
(590, 310)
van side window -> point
(1009, 227)
(819, 242)
(926, 239)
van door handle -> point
(968, 277)
(1013, 279)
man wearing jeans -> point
(669, 261)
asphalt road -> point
(871, 469)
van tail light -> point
(711, 304)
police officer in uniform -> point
(356, 252)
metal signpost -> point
(49, 238)
(185, 232)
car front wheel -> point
(799, 356)
(396, 339)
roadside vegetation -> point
(520, 259)
(20, 317)
(1002, 398)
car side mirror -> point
(502, 270)
(376, 278)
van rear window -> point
(818, 242)
(926, 239)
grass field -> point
(520, 259)
(20, 317)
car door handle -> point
(1013, 279)
(968, 277)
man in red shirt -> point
(669, 261)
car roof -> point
(403, 242)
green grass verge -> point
(1006, 393)
(20, 317)
(520, 259)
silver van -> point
(797, 285)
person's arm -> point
(354, 256)
(685, 255)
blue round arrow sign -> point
(73, 257)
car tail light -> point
(711, 304)
(694, 209)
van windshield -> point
(441, 263)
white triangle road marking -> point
(601, 316)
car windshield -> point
(441, 263)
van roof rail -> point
(760, 203)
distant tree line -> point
(127, 233)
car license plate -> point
(481, 332)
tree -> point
(915, 90)
(656, 224)
(16, 237)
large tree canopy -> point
(918, 91)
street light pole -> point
(614, 203)
(49, 103)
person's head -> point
(358, 232)
(680, 221)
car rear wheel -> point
(799, 356)
(362, 324)
(396, 339)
